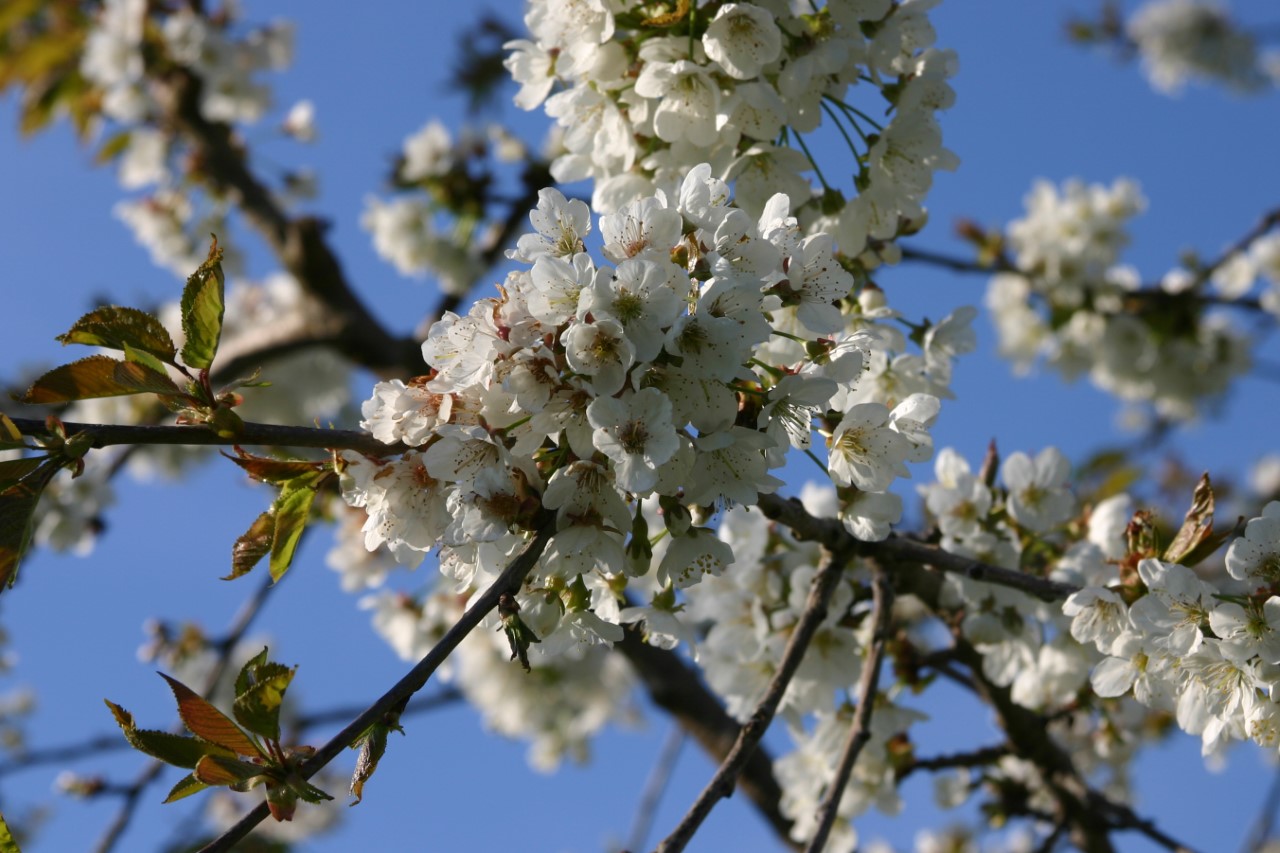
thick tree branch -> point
(413, 681)
(860, 731)
(725, 778)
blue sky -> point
(1029, 106)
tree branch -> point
(413, 681)
(722, 783)
(860, 731)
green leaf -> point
(245, 679)
(208, 722)
(170, 748)
(252, 546)
(1197, 526)
(186, 786)
(264, 469)
(11, 437)
(144, 358)
(7, 842)
(14, 471)
(113, 147)
(98, 376)
(17, 517)
(202, 307)
(308, 792)
(258, 709)
(118, 328)
(292, 510)
(215, 770)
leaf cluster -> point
(239, 754)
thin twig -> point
(413, 681)
(831, 533)
(860, 731)
(1265, 824)
(654, 787)
(722, 783)
(1123, 817)
(976, 758)
(132, 796)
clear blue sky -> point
(1028, 106)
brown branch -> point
(105, 435)
(413, 681)
(1122, 817)
(976, 758)
(829, 532)
(725, 778)
(860, 731)
(678, 690)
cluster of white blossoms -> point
(227, 64)
(1207, 652)
(1073, 303)
(632, 400)
(1259, 262)
(641, 96)
(1196, 40)
(430, 226)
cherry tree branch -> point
(860, 731)
(725, 778)
(413, 681)
(976, 758)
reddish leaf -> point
(17, 515)
(252, 546)
(98, 376)
(1197, 526)
(217, 770)
(267, 470)
(208, 722)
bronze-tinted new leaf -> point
(118, 328)
(98, 376)
(202, 307)
(206, 721)
(372, 746)
(267, 470)
(252, 546)
(1197, 526)
(170, 748)
(217, 770)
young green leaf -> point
(17, 517)
(246, 677)
(14, 471)
(258, 708)
(118, 328)
(170, 748)
(10, 436)
(98, 376)
(7, 842)
(292, 509)
(206, 721)
(186, 786)
(202, 307)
